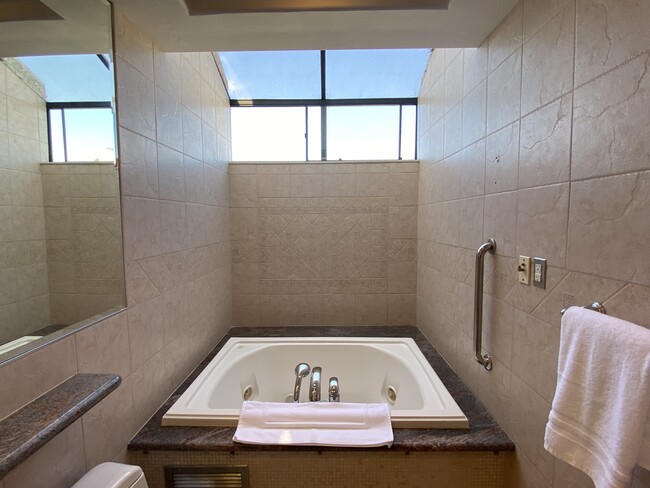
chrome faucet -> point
(302, 370)
(314, 385)
(334, 392)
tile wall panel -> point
(324, 243)
(549, 166)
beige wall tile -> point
(109, 425)
(192, 134)
(141, 227)
(136, 98)
(171, 174)
(339, 309)
(497, 329)
(150, 388)
(402, 222)
(46, 368)
(545, 145)
(371, 310)
(169, 120)
(145, 331)
(494, 391)
(547, 208)
(632, 303)
(401, 309)
(504, 93)
(372, 184)
(138, 165)
(474, 114)
(58, 464)
(272, 185)
(454, 80)
(608, 33)
(500, 221)
(546, 77)
(104, 347)
(535, 343)
(608, 117)
(470, 233)
(475, 66)
(528, 416)
(506, 38)
(622, 202)
(472, 170)
(243, 190)
(502, 159)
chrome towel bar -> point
(595, 306)
(490, 246)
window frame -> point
(49, 106)
(324, 103)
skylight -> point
(324, 105)
(296, 75)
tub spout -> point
(302, 370)
(334, 393)
(314, 386)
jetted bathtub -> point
(370, 370)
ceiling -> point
(75, 27)
(465, 24)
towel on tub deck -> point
(315, 424)
(602, 399)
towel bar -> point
(595, 306)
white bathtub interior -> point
(370, 370)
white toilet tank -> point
(113, 475)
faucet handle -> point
(334, 392)
(314, 386)
(301, 371)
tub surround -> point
(323, 243)
(28, 429)
(484, 433)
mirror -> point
(61, 264)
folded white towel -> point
(602, 398)
(315, 424)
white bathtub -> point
(369, 371)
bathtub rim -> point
(453, 417)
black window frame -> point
(49, 106)
(323, 102)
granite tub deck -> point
(484, 434)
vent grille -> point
(206, 477)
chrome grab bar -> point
(490, 246)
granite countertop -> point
(28, 429)
(484, 434)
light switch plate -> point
(539, 272)
(523, 270)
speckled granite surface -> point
(26, 430)
(484, 433)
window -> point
(79, 91)
(324, 105)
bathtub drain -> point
(248, 393)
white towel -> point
(315, 424)
(602, 399)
